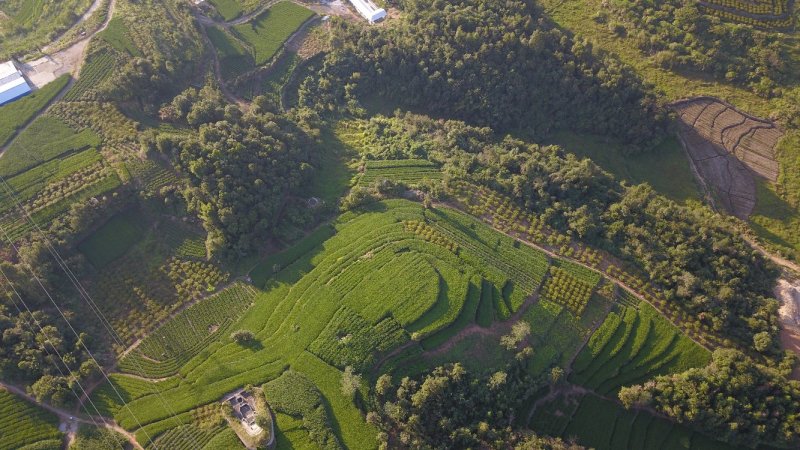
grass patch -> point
(45, 139)
(666, 167)
(112, 240)
(15, 115)
(117, 35)
(266, 33)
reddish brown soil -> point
(729, 150)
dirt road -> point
(69, 420)
(68, 60)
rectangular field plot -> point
(408, 171)
(266, 33)
(45, 139)
(112, 240)
(15, 115)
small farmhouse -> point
(369, 10)
(12, 83)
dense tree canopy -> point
(679, 35)
(733, 397)
(689, 252)
(243, 169)
(492, 63)
(451, 408)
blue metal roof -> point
(14, 93)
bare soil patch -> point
(788, 293)
(729, 149)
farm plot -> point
(152, 279)
(728, 147)
(30, 24)
(96, 70)
(633, 345)
(22, 424)
(605, 425)
(407, 171)
(767, 14)
(52, 167)
(187, 334)
(112, 240)
(321, 311)
(15, 115)
(47, 138)
(567, 290)
(266, 33)
(234, 58)
(348, 337)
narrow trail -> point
(205, 20)
(86, 15)
(69, 417)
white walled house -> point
(369, 10)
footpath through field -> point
(70, 418)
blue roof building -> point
(12, 84)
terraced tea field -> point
(319, 310)
(407, 171)
(266, 33)
(23, 424)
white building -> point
(12, 83)
(369, 10)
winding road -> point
(69, 418)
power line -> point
(41, 330)
(63, 316)
(95, 309)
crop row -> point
(187, 244)
(764, 22)
(430, 234)
(407, 171)
(771, 7)
(636, 345)
(17, 225)
(349, 340)
(150, 175)
(599, 423)
(27, 184)
(185, 437)
(97, 68)
(22, 423)
(562, 287)
(177, 341)
(45, 139)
